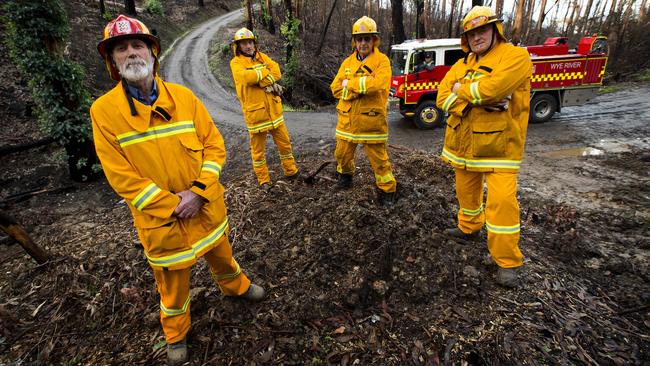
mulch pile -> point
(349, 282)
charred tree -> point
(249, 15)
(519, 19)
(499, 8)
(9, 225)
(271, 22)
(129, 7)
(420, 31)
(397, 15)
(324, 32)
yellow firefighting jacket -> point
(168, 147)
(363, 102)
(477, 139)
(262, 111)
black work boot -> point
(457, 233)
(177, 353)
(344, 182)
(386, 198)
(508, 277)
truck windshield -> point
(398, 61)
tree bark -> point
(129, 7)
(249, 15)
(269, 9)
(477, 3)
(201, 4)
(585, 18)
(499, 8)
(6, 150)
(451, 18)
(642, 11)
(102, 8)
(519, 19)
(324, 32)
(420, 31)
(397, 15)
(540, 21)
(8, 225)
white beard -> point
(135, 70)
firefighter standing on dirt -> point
(486, 95)
(256, 78)
(361, 86)
(162, 153)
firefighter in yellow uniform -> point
(162, 153)
(361, 86)
(256, 78)
(487, 97)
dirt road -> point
(558, 163)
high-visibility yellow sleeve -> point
(514, 68)
(140, 192)
(274, 74)
(247, 75)
(447, 101)
(214, 154)
(338, 91)
(378, 80)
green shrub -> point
(645, 75)
(153, 7)
(36, 38)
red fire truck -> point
(561, 77)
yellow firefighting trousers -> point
(258, 153)
(174, 289)
(378, 157)
(500, 214)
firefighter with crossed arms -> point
(163, 154)
(256, 78)
(487, 98)
(361, 86)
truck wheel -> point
(542, 108)
(427, 115)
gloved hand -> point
(269, 89)
(277, 89)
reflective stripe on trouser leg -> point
(225, 270)
(502, 219)
(283, 142)
(258, 154)
(344, 154)
(469, 192)
(378, 156)
(174, 289)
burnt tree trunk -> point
(129, 7)
(420, 31)
(519, 19)
(269, 9)
(397, 15)
(324, 32)
(249, 15)
(8, 225)
(102, 7)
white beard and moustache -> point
(136, 69)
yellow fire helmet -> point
(365, 25)
(240, 35)
(477, 17)
(124, 27)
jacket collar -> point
(164, 107)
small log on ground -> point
(8, 225)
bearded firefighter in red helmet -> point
(162, 153)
